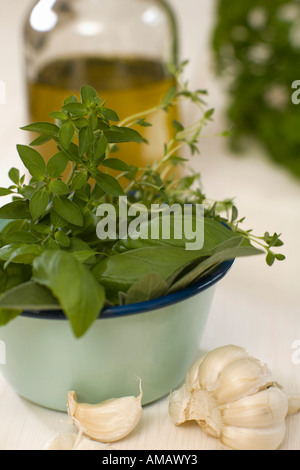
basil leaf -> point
(116, 164)
(7, 250)
(117, 135)
(38, 203)
(66, 134)
(62, 239)
(79, 181)
(7, 315)
(121, 271)
(45, 128)
(78, 109)
(40, 140)
(109, 184)
(86, 140)
(100, 147)
(29, 296)
(151, 286)
(33, 161)
(58, 115)
(110, 114)
(21, 236)
(57, 165)
(14, 175)
(68, 210)
(59, 187)
(210, 263)
(5, 192)
(169, 96)
(88, 94)
(14, 275)
(24, 254)
(15, 210)
(72, 284)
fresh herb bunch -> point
(256, 49)
(50, 255)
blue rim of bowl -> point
(150, 305)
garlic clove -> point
(214, 363)
(74, 442)
(179, 404)
(238, 438)
(108, 421)
(266, 408)
(242, 377)
(192, 377)
(293, 404)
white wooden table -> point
(255, 306)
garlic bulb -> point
(108, 421)
(233, 397)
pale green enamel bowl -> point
(156, 341)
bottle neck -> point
(174, 29)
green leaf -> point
(100, 147)
(66, 134)
(14, 175)
(70, 99)
(58, 115)
(68, 210)
(24, 254)
(62, 239)
(72, 153)
(41, 228)
(79, 181)
(5, 192)
(270, 258)
(119, 272)
(122, 134)
(29, 296)
(33, 161)
(207, 265)
(59, 187)
(40, 140)
(151, 286)
(27, 191)
(14, 275)
(88, 94)
(38, 203)
(86, 140)
(72, 284)
(45, 128)
(169, 97)
(110, 114)
(178, 127)
(21, 236)
(7, 250)
(77, 109)
(15, 210)
(116, 164)
(143, 123)
(57, 165)
(7, 315)
(109, 184)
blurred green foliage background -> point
(256, 45)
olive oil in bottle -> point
(129, 86)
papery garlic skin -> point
(233, 397)
(108, 421)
